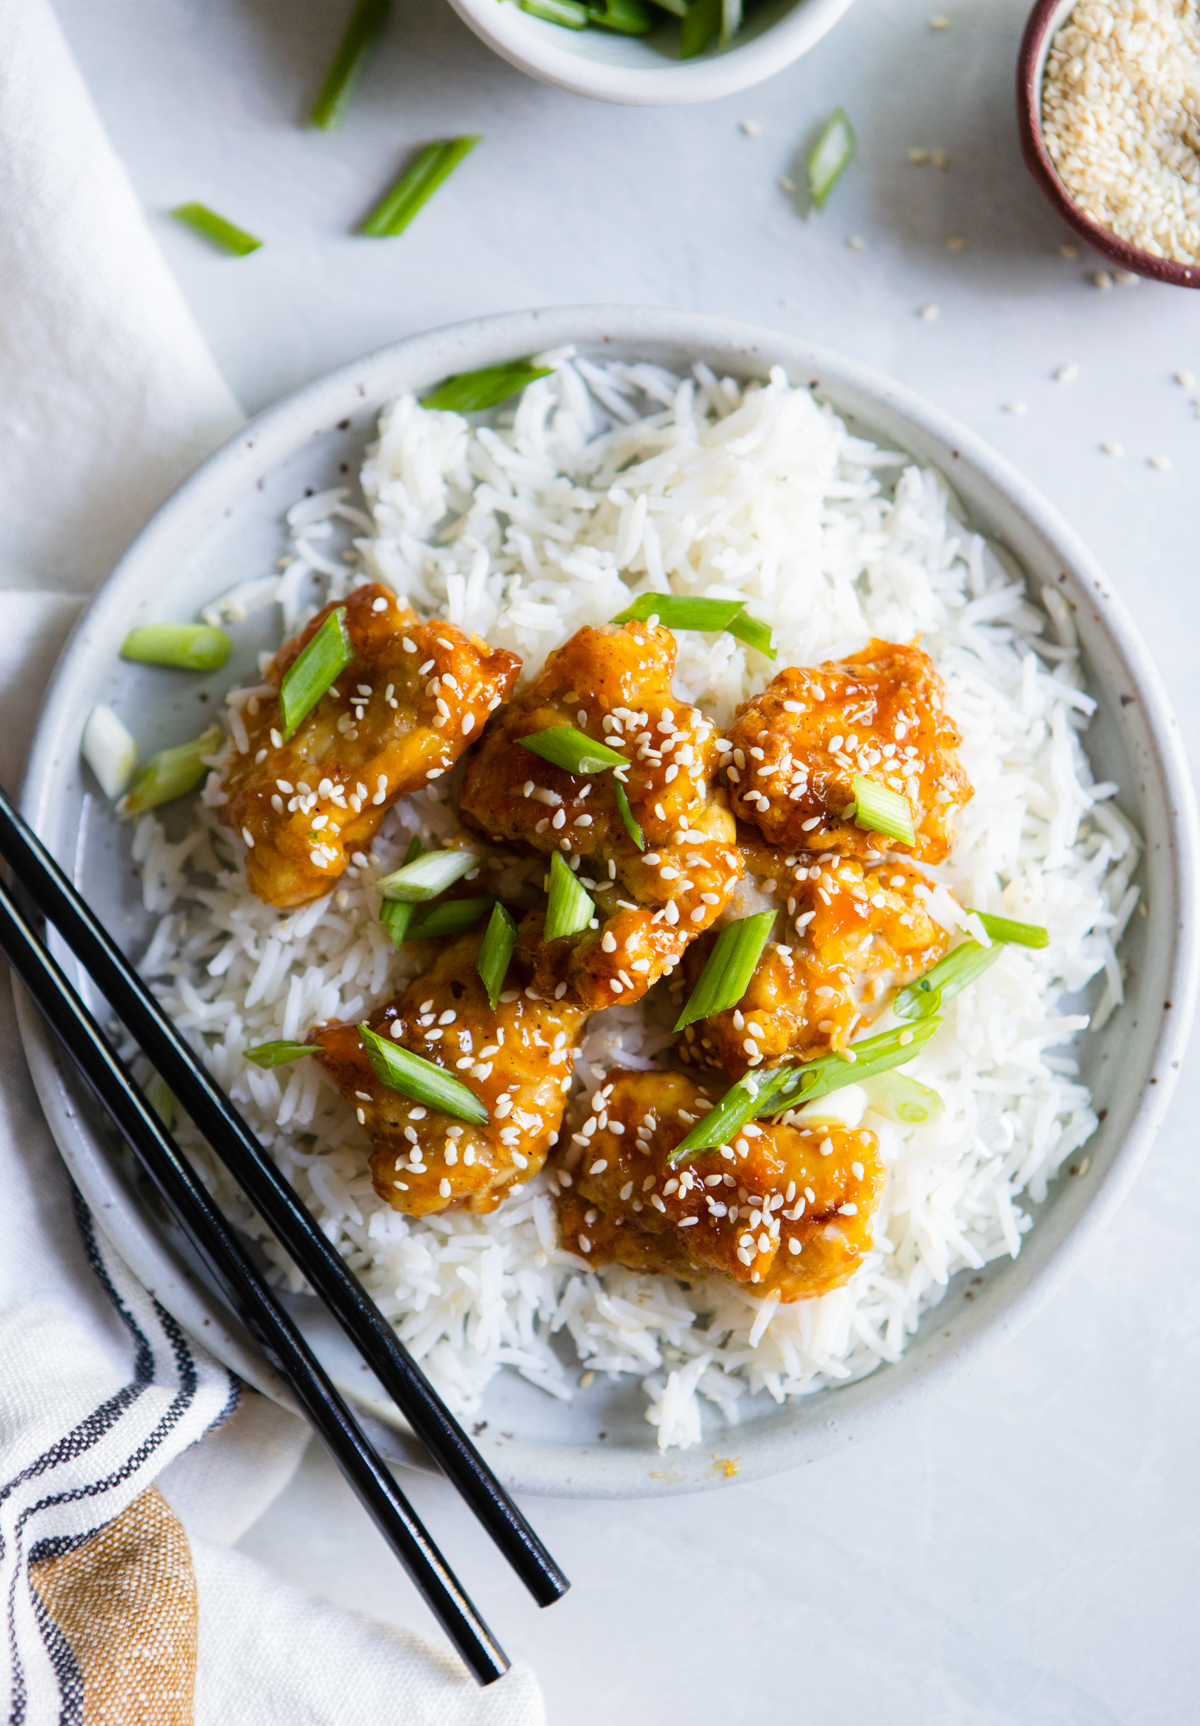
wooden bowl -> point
(1045, 21)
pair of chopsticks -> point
(293, 1226)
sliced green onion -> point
(728, 968)
(1021, 934)
(225, 235)
(314, 672)
(753, 632)
(569, 909)
(774, 1089)
(472, 392)
(677, 8)
(701, 23)
(565, 12)
(171, 773)
(427, 876)
(628, 820)
(161, 1099)
(452, 917)
(944, 980)
(832, 155)
(366, 21)
(414, 188)
(900, 1098)
(109, 750)
(495, 955)
(878, 810)
(625, 17)
(190, 646)
(679, 611)
(421, 1080)
(731, 21)
(397, 914)
(574, 750)
(277, 1054)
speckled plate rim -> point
(1160, 1003)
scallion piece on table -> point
(565, 747)
(565, 12)
(624, 17)
(421, 1080)
(414, 188)
(425, 877)
(1021, 934)
(771, 1090)
(629, 821)
(359, 37)
(728, 968)
(109, 750)
(451, 917)
(680, 611)
(832, 155)
(225, 235)
(171, 773)
(569, 909)
(277, 1054)
(901, 1098)
(879, 810)
(397, 914)
(944, 980)
(701, 22)
(472, 392)
(314, 672)
(495, 955)
(188, 646)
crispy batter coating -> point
(399, 715)
(517, 1060)
(849, 933)
(795, 749)
(615, 685)
(787, 1212)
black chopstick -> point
(278, 1205)
(206, 1228)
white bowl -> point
(646, 71)
(225, 525)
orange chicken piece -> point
(784, 1211)
(517, 1060)
(614, 685)
(411, 700)
(795, 749)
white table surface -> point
(1028, 1549)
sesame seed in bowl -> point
(1110, 127)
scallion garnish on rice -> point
(880, 810)
(187, 646)
(170, 774)
(452, 917)
(771, 1090)
(421, 1080)
(425, 877)
(1005, 929)
(414, 188)
(728, 968)
(576, 752)
(628, 820)
(944, 980)
(397, 914)
(831, 156)
(495, 955)
(227, 236)
(472, 392)
(314, 671)
(277, 1054)
(569, 909)
(901, 1098)
(361, 33)
(683, 611)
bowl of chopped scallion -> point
(651, 52)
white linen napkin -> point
(108, 397)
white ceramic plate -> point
(224, 525)
(646, 71)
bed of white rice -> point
(603, 480)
